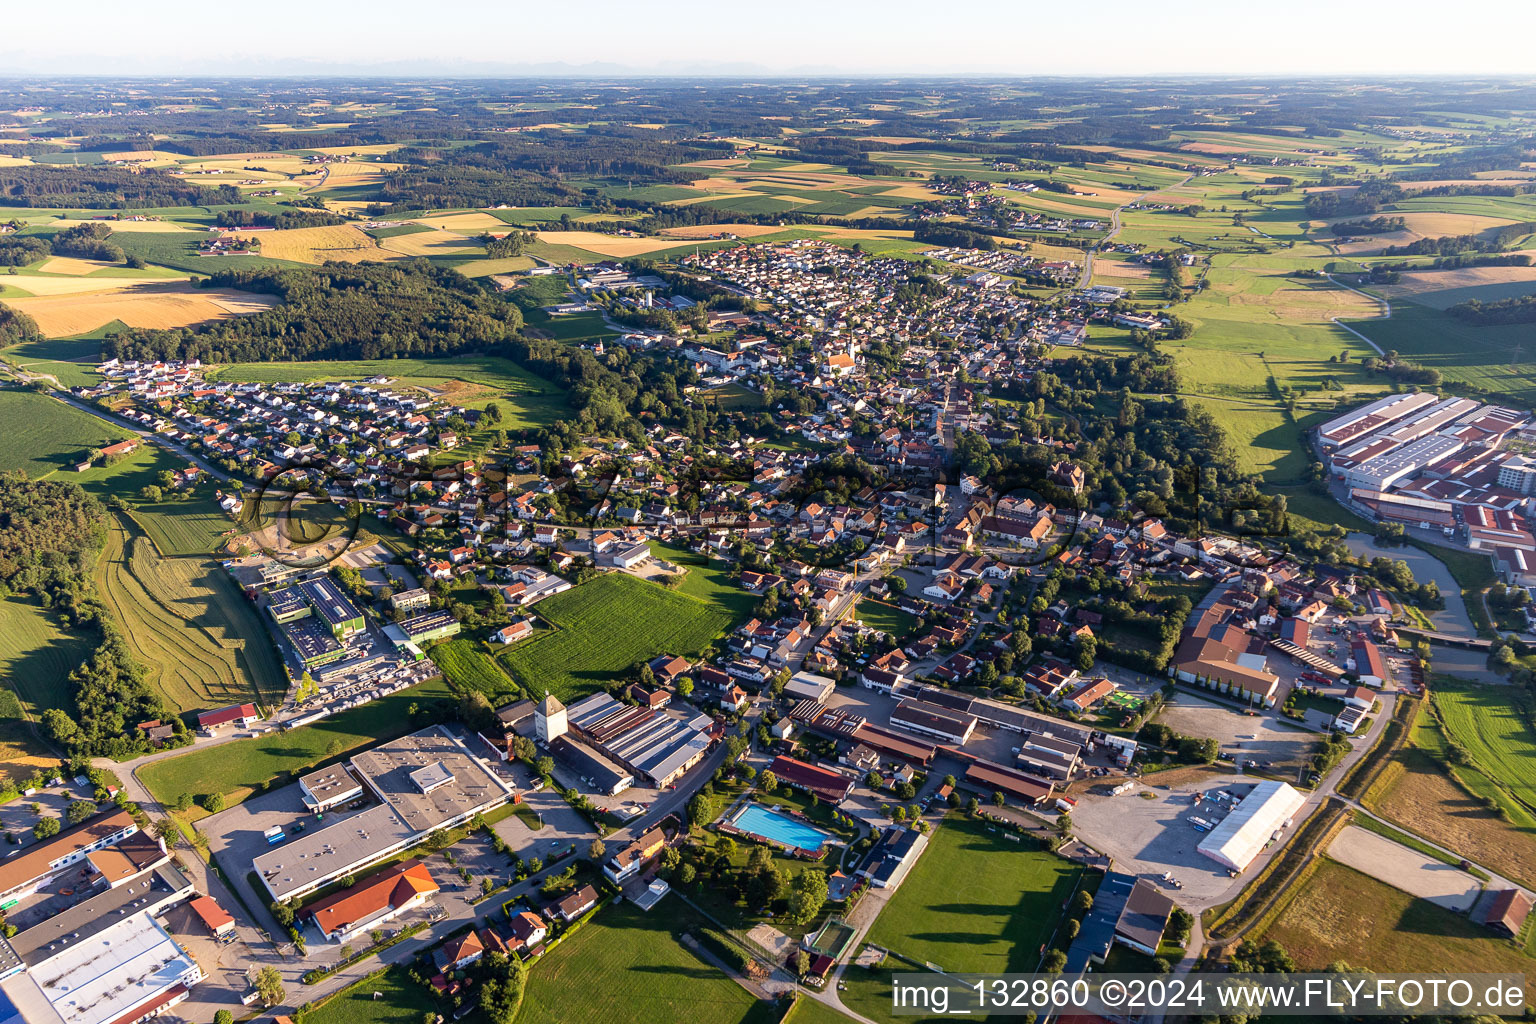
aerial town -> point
(459, 582)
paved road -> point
(196, 460)
(1114, 228)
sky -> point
(782, 37)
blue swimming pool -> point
(780, 828)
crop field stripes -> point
(200, 648)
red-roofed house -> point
(373, 901)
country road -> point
(1114, 229)
(1386, 312)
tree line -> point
(288, 218)
(104, 187)
(338, 311)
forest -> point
(284, 219)
(339, 311)
(98, 187)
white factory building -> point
(1242, 833)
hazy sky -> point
(1023, 37)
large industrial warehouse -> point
(1242, 834)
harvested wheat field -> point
(317, 245)
(145, 156)
(711, 230)
(71, 266)
(1121, 270)
(156, 304)
(428, 243)
(724, 163)
(1441, 289)
(45, 286)
(464, 223)
(834, 231)
(1420, 225)
(618, 246)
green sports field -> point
(627, 965)
(976, 902)
(605, 627)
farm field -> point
(1464, 353)
(468, 665)
(1322, 924)
(242, 767)
(317, 245)
(431, 242)
(1441, 289)
(606, 245)
(526, 399)
(1418, 792)
(199, 640)
(154, 304)
(976, 902)
(43, 435)
(627, 965)
(192, 525)
(605, 627)
(1492, 724)
(37, 656)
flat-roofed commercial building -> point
(30, 870)
(423, 629)
(150, 892)
(332, 606)
(132, 970)
(809, 686)
(328, 787)
(313, 643)
(425, 782)
(410, 600)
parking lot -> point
(1152, 834)
(17, 817)
(1260, 738)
